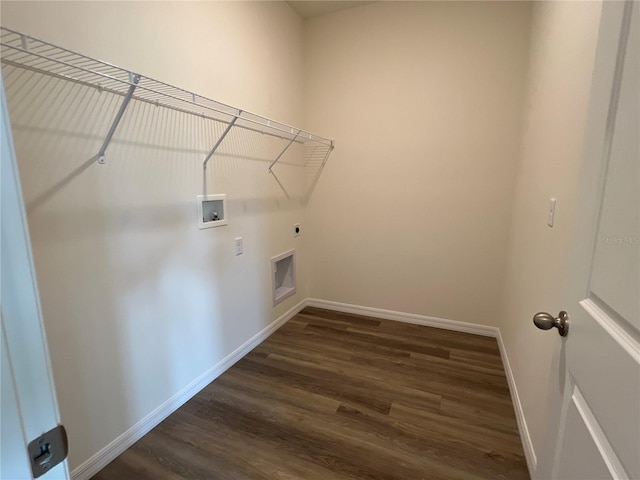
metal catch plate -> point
(48, 450)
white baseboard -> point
(525, 437)
(457, 326)
(404, 317)
(100, 460)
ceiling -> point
(311, 9)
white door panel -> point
(582, 445)
(604, 367)
(616, 266)
(29, 405)
(14, 462)
(600, 425)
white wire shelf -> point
(23, 51)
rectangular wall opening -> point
(283, 272)
(212, 211)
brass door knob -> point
(546, 321)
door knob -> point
(546, 321)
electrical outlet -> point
(239, 246)
(297, 230)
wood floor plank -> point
(320, 430)
(339, 396)
(493, 416)
(461, 460)
(237, 454)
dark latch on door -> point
(48, 450)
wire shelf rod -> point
(62, 58)
(101, 88)
(128, 83)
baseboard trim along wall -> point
(525, 437)
(100, 460)
(404, 317)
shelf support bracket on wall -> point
(326, 157)
(224, 134)
(133, 80)
(283, 151)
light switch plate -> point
(239, 246)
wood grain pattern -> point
(333, 396)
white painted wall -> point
(137, 301)
(424, 100)
(563, 45)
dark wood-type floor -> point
(334, 396)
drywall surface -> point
(137, 301)
(424, 100)
(564, 36)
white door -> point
(600, 418)
(29, 406)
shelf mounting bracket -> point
(224, 134)
(283, 151)
(133, 80)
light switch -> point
(552, 212)
(239, 246)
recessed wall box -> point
(212, 211)
(283, 273)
